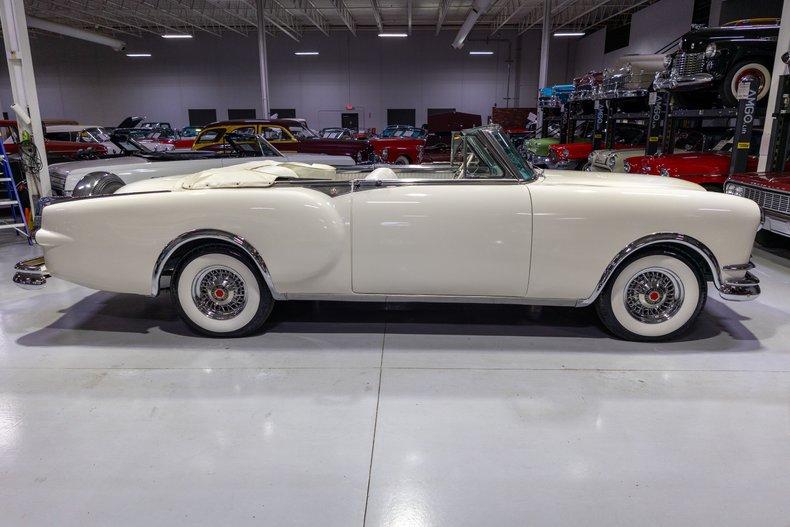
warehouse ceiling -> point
(293, 17)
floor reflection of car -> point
(81, 134)
(288, 135)
(143, 163)
(229, 242)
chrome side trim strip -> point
(439, 299)
(209, 234)
(741, 290)
(739, 267)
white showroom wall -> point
(652, 28)
(94, 84)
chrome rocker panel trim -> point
(31, 273)
(746, 288)
(211, 234)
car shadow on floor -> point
(719, 327)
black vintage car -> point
(715, 59)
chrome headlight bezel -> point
(626, 166)
(734, 189)
(611, 161)
(710, 50)
(667, 61)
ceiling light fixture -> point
(305, 53)
(481, 52)
(179, 35)
(138, 55)
(569, 34)
(393, 35)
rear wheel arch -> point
(183, 245)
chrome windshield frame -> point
(495, 142)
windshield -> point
(523, 169)
(251, 145)
(98, 134)
(302, 132)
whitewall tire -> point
(218, 292)
(741, 70)
(402, 160)
(655, 296)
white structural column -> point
(545, 40)
(23, 91)
(780, 68)
(263, 61)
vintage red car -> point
(57, 151)
(168, 136)
(401, 145)
(575, 155)
(287, 135)
(771, 191)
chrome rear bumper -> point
(746, 288)
(31, 274)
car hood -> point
(774, 180)
(614, 179)
(697, 40)
(600, 156)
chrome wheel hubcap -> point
(654, 295)
(219, 292)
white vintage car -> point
(229, 243)
(105, 176)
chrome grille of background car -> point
(773, 201)
(58, 182)
(689, 63)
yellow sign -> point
(743, 145)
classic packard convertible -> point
(230, 242)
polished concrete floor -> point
(112, 413)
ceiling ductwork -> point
(61, 29)
(478, 8)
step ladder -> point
(12, 215)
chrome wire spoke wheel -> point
(219, 292)
(653, 295)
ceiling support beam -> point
(278, 16)
(618, 13)
(345, 15)
(535, 16)
(308, 10)
(444, 6)
(377, 15)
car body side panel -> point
(452, 239)
(578, 229)
(112, 243)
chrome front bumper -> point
(31, 274)
(776, 223)
(740, 290)
(679, 82)
(536, 160)
(563, 164)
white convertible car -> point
(105, 176)
(229, 243)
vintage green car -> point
(536, 150)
